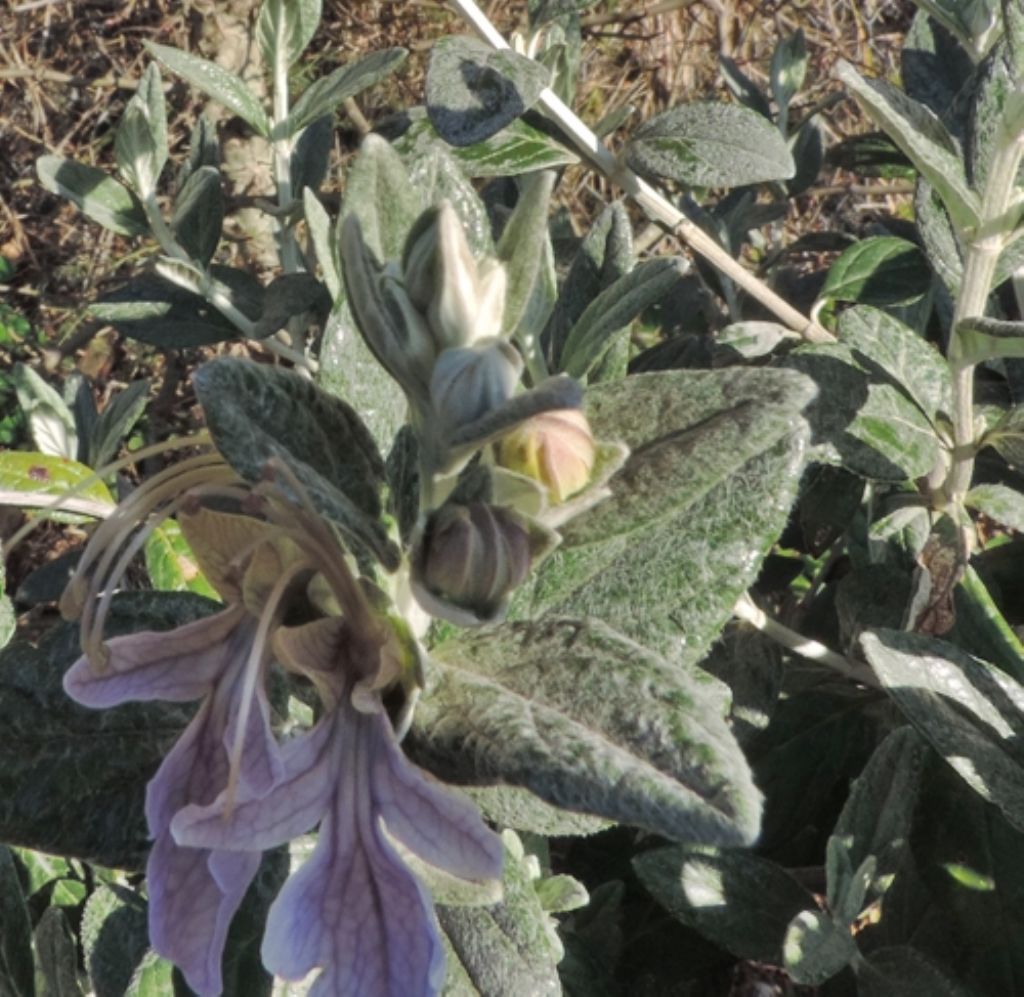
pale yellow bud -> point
(555, 448)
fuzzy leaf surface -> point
(97, 195)
(883, 270)
(474, 91)
(705, 492)
(256, 413)
(970, 712)
(707, 144)
(551, 707)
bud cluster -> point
(435, 320)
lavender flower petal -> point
(354, 909)
(176, 666)
(438, 824)
(310, 767)
(193, 895)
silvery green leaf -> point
(521, 248)
(508, 948)
(379, 193)
(473, 91)
(922, 137)
(715, 460)
(1001, 503)
(50, 421)
(969, 711)
(561, 894)
(215, 82)
(752, 339)
(788, 69)
(256, 413)
(322, 97)
(974, 22)
(166, 315)
(116, 421)
(140, 142)
(96, 194)
(986, 338)
(743, 88)
(199, 214)
(495, 711)
(57, 954)
(914, 364)
(203, 149)
(738, 900)
(285, 28)
(706, 144)
(521, 810)
(882, 270)
(940, 241)
(902, 971)
(114, 938)
(318, 222)
(875, 430)
(615, 308)
(816, 948)
(438, 175)
(311, 157)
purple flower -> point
(354, 909)
(193, 892)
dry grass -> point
(67, 68)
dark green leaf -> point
(901, 971)
(736, 899)
(72, 779)
(879, 271)
(495, 711)
(614, 308)
(706, 144)
(17, 973)
(1000, 503)
(474, 91)
(256, 413)
(715, 464)
(971, 712)
(155, 311)
(50, 421)
(311, 157)
(116, 421)
(508, 949)
(325, 94)
(115, 937)
(56, 954)
(199, 214)
(203, 149)
(808, 149)
(288, 295)
(97, 195)
(743, 88)
(215, 82)
(877, 816)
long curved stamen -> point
(137, 507)
(94, 617)
(199, 439)
(253, 668)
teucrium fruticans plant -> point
(475, 536)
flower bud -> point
(463, 301)
(474, 556)
(470, 381)
(555, 448)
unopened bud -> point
(474, 555)
(470, 381)
(555, 448)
